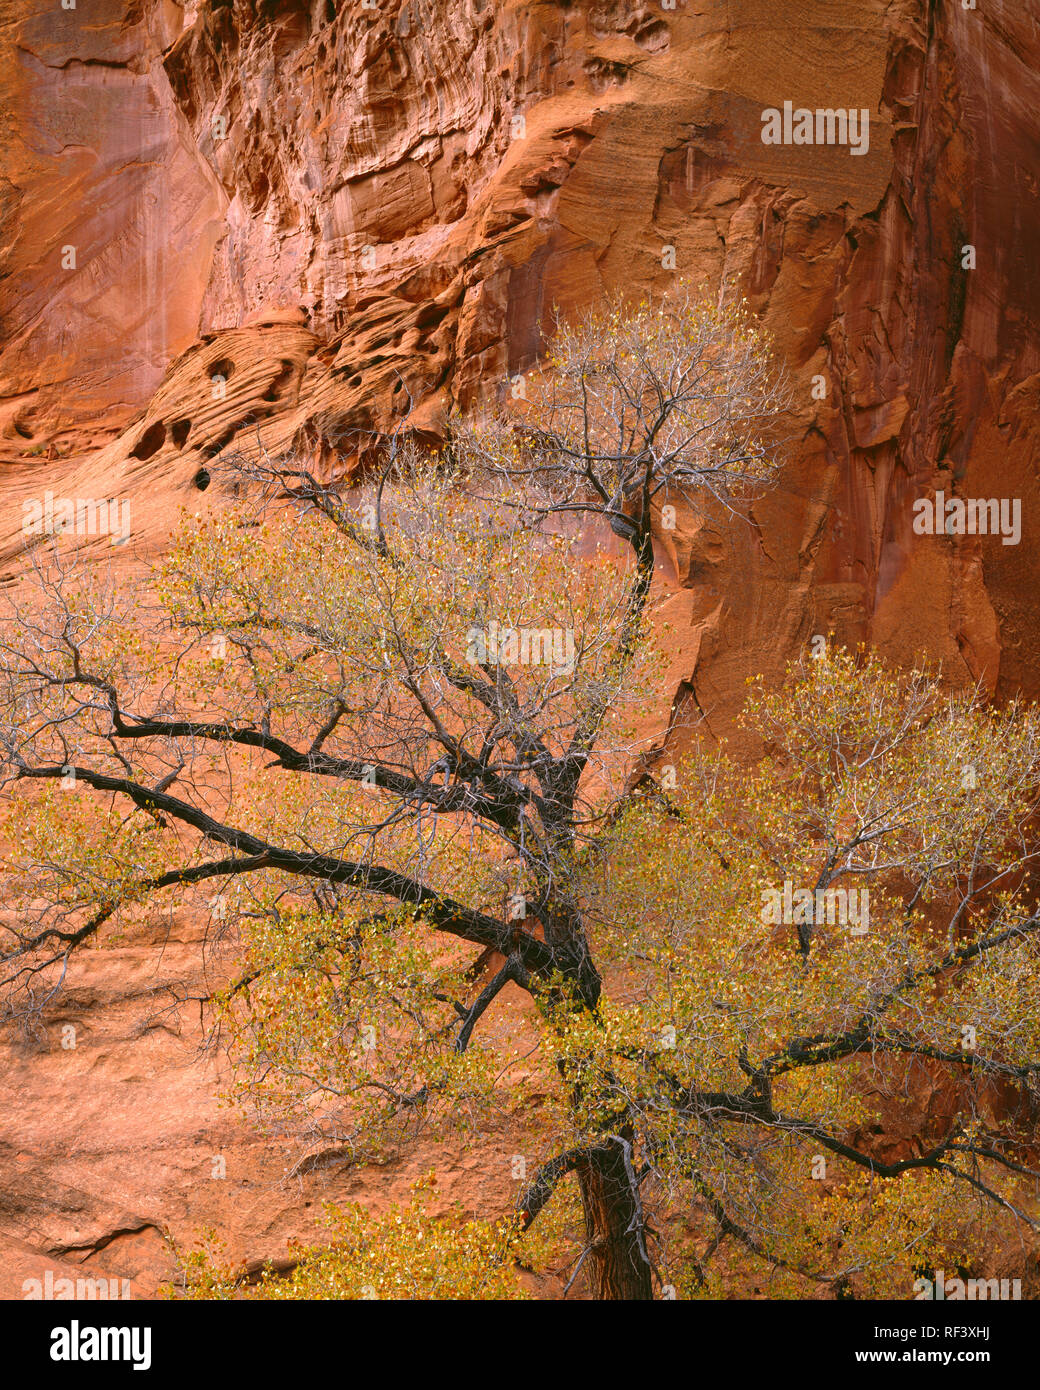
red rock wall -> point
(221, 169)
(244, 249)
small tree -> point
(394, 728)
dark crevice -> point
(150, 442)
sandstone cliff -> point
(340, 211)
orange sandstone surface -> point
(341, 212)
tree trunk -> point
(617, 1257)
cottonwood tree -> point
(815, 943)
(388, 736)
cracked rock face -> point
(294, 218)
